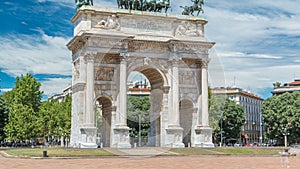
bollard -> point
(45, 154)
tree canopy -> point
(3, 116)
(24, 101)
(281, 115)
(232, 114)
(136, 106)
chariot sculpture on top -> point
(145, 5)
(150, 5)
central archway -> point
(155, 92)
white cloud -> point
(54, 85)
(257, 42)
(5, 90)
(37, 54)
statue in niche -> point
(111, 22)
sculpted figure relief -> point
(186, 29)
(111, 22)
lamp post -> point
(285, 133)
(221, 128)
(260, 129)
(140, 128)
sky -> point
(257, 42)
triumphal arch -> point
(170, 50)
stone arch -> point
(186, 109)
(147, 69)
(104, 120)
(157, 81)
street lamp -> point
(140, 128)
(221, 128)
(285, 133)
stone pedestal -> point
(121, 137)
(174, 134)
(88, 139)
(203, 137)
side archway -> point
(186, 109)
(103, 120)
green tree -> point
(281, 115)
(3, 117)
(136, 106)
(233, 117)
(24, 101)
(54, 119)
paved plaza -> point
(172, 162)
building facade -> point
(287, 87)
(253, 128)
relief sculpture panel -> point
(104, 73)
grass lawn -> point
(227, 151)
(57, 152)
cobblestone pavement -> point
(191, 162)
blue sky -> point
(257, 42)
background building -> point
(253, 127)
(287, 87)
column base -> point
(121, 137)
(88, 137)
(203, 137)
(174, 137)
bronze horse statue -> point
(189, 10)
(80, 3)
(145, 5)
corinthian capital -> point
(204, 63)
(89, 57)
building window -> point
(231, 97)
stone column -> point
(174, 118)
(89, 95)
(121, 130)
(203, 137)
(204, 90)
(123, 92)
(88, 130)
(174, 131)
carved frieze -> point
(104, 73)
(186, 28)
(192, 63)
(107, 59)
(104, 42)
(111, 23)
(148, 46)
(192, 48)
